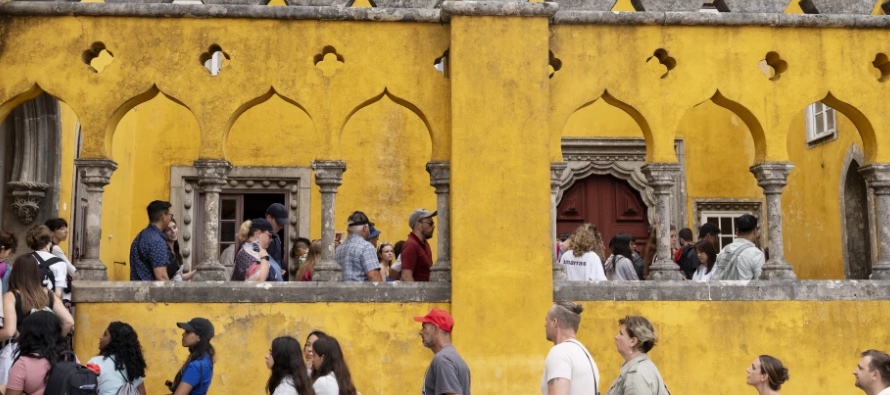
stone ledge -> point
(719, 19)
(232, 292)
(51, 8)
(498, 8)
(722, 291)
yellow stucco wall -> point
(380, 340)
(704, 347)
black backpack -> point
(68, 377)
(45, 272)
(688, 261)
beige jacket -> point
(639, 376)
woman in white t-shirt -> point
(120, 360)
(581, 261)
(330, 374)
(289, 376)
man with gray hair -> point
(569, 369)
(873, 373)
(356, 255)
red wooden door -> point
(607, 202)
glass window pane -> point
(228, 209)
(831, 122)
(713, 220)
(820, 124)
(724, 241)
(726, 225)
(227, 233)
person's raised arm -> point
(63, 315)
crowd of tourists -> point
(583, 254)
(44, 364)
(258, 253)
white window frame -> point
(828, 115)
(732, 215)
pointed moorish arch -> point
(31, 93)
(750, 120)
(260, 100)
(627, 108)
(863, 125)
(128, 105)
(398, 100)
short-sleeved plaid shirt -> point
(357, 257)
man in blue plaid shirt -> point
(356, 255)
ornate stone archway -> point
(622, 158)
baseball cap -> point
(439, 318)
(200, 326)
(418, 215)
(708, 229)
(746, 223)
(373, 232)
(278, 213)
(261, 224)
(359, 218)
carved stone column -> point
(556, 170)
(328, 176)
(211, 177)
(772, 177)
(440, 178)
(878, 177)
(661, 177)
(95, 175)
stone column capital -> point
(556, 170)
(329, 174)
(95, 173)
(661, 176)
(212, 173)
(440, 175)
(772, 176)
(878, 177)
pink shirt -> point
(28, 374)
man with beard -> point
(873, 373)
(569, 369)
(447, 374)
(417, 257)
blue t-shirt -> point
(199, 373)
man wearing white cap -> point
(417, 257)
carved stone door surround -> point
(185, 198)
(622, 158)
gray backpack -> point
(128, 388)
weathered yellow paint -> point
(385, 355)
(500, 223)
(380, 341)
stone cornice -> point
(722, 291)
(435, 15)
(241, 292)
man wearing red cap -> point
(447, 373)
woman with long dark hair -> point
(41, 346)
(120, 359)
(309, 352)
(176, 266)
(196, 374)
(619, 266)
(26, 294)
(707, 256)
(330, 375)
(289, 376)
